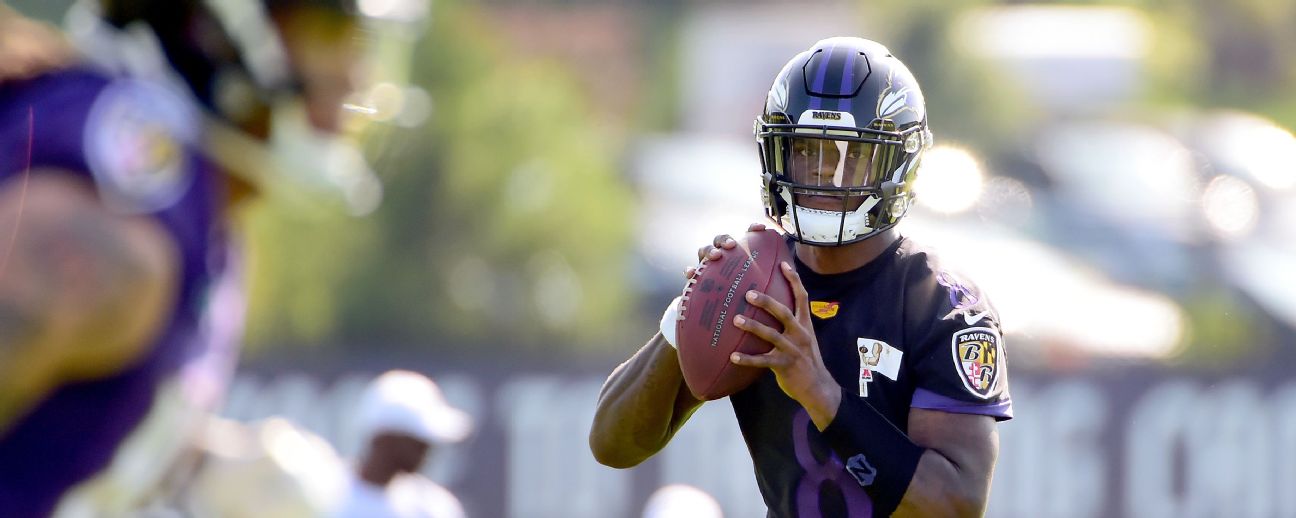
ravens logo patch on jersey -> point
(979, 359)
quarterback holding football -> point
(884, 373)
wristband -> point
(877, 455)
(670, 318)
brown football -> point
(705, 332)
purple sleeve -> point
(1001, 409)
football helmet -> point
(270, 112)
(840, 140)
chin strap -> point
(826, 227)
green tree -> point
(505, 220)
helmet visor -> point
(831, 163)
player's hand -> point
(712, 251)
(795, 359)
(29, 48)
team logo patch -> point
(893, 102)
(824, 310)
(779, 96)
(979, 359)
(134, 140)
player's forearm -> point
(879, 456)
(642, 404)
(24, 370)
(942, 488)
(20, 327)
(953, 476)
(82, 290)
(823, 404)
(24, 381)
(16, 324)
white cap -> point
(410, 403)
(681, 501)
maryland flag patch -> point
(978, 356)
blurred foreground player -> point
(884, 388)
(402, 416)
(120, 293)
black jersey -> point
(899, 332)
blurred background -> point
(1119, 177)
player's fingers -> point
(777, 309)
(756, 227)
(768, 360)
(800, 298)
(709, 253)
(724, 241)
(763, 332)
(690, 272)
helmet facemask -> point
(831, 185)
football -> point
(713, 297)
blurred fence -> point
(1120, 440)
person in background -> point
(402, 417)
(681, 501)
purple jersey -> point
(134, 143)
(899, 333)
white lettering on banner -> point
(551, 473)
(1052, 464)
(1157, 421)
(1284, 413)
(1078, 414)
(1184, 449)
(709, 453)
(1232, 453)
(299, 398)
(1226, 440)
(330, 412)
(1014, 473)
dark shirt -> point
(900, 332)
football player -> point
(883, 391)
(120, 288)
(403, 418)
